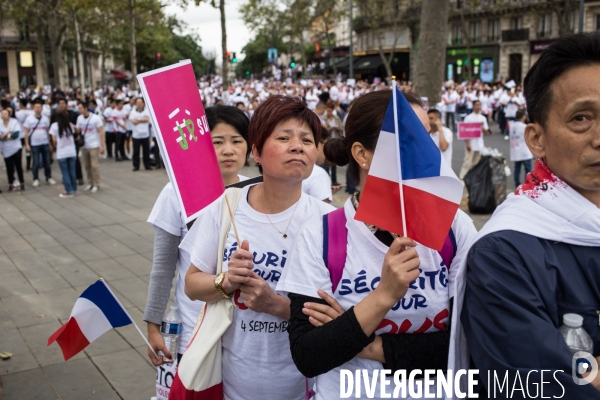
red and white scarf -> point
(545, 207)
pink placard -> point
(469, 130)
(179, 121)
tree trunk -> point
(432, 49)
(56, 48)
(467, 36)
(386, 62)
(102, 68)
(42, 51)
(132, 45)
(80, 67)
(225, 67)
(329, 45)
(414, 49)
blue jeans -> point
(69, 174)
(527, 165)
(44, 151)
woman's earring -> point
(364, 165)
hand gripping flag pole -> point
(402, 209)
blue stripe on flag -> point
(99, 294)
(419, 155)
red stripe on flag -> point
(380, 204)
(179, 392)
(428, 217)
(70, 338)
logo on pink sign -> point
(469, 130)
(181, 128)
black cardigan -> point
(317, 350)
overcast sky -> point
(206, 20)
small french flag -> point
(410, 189)
(96, 311)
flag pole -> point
(132, 320)
(402, 211)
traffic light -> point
(247, 73)
(293, 63)
(229, 56)
(234, 59)
(158, 60)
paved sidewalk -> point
(51, 249)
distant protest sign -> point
(469, 130)
(182, 132)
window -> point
(493, 30)
(475, 31)
(572, 22)
(545, 26)
(457, 34)
(516, 23)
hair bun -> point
(336, 151)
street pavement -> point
(51, 249)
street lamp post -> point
(351, 58)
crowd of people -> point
(378, 301)
(496, 304)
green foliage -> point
(256, 54)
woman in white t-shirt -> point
(390, 289)
(256, 354)
(140, 118)
(11, 149)
(229, 131)
(63, 140)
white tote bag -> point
(199, 374)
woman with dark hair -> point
(256, 359)
(63, 140)
(229, 131)
(391, 289)
(11, 149)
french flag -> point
(409, 177)
(96, 311)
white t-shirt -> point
(257, 362)
(127, 108)
(65, 145)
(89, 128)
(142, 129)
(166, 215)
(511, 105)
(39, 136)
(453, 97)
(477, 144)
(449, 137)
(119, 115)
(11, 146)
(108, 118)
(21, 116)
(318, 184)
(424, 308)
(518, 148)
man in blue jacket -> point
(538, 258)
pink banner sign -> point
(469, 130)
(181, 128)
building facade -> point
(497, 39)
(21, 61)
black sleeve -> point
(416, 351)
(317, 350)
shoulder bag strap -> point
(335, 243)
(233, 195)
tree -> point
(298, 19)
(432, 49)
(255, 51)
(225, 67)
(327, 14)
(380, 18)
